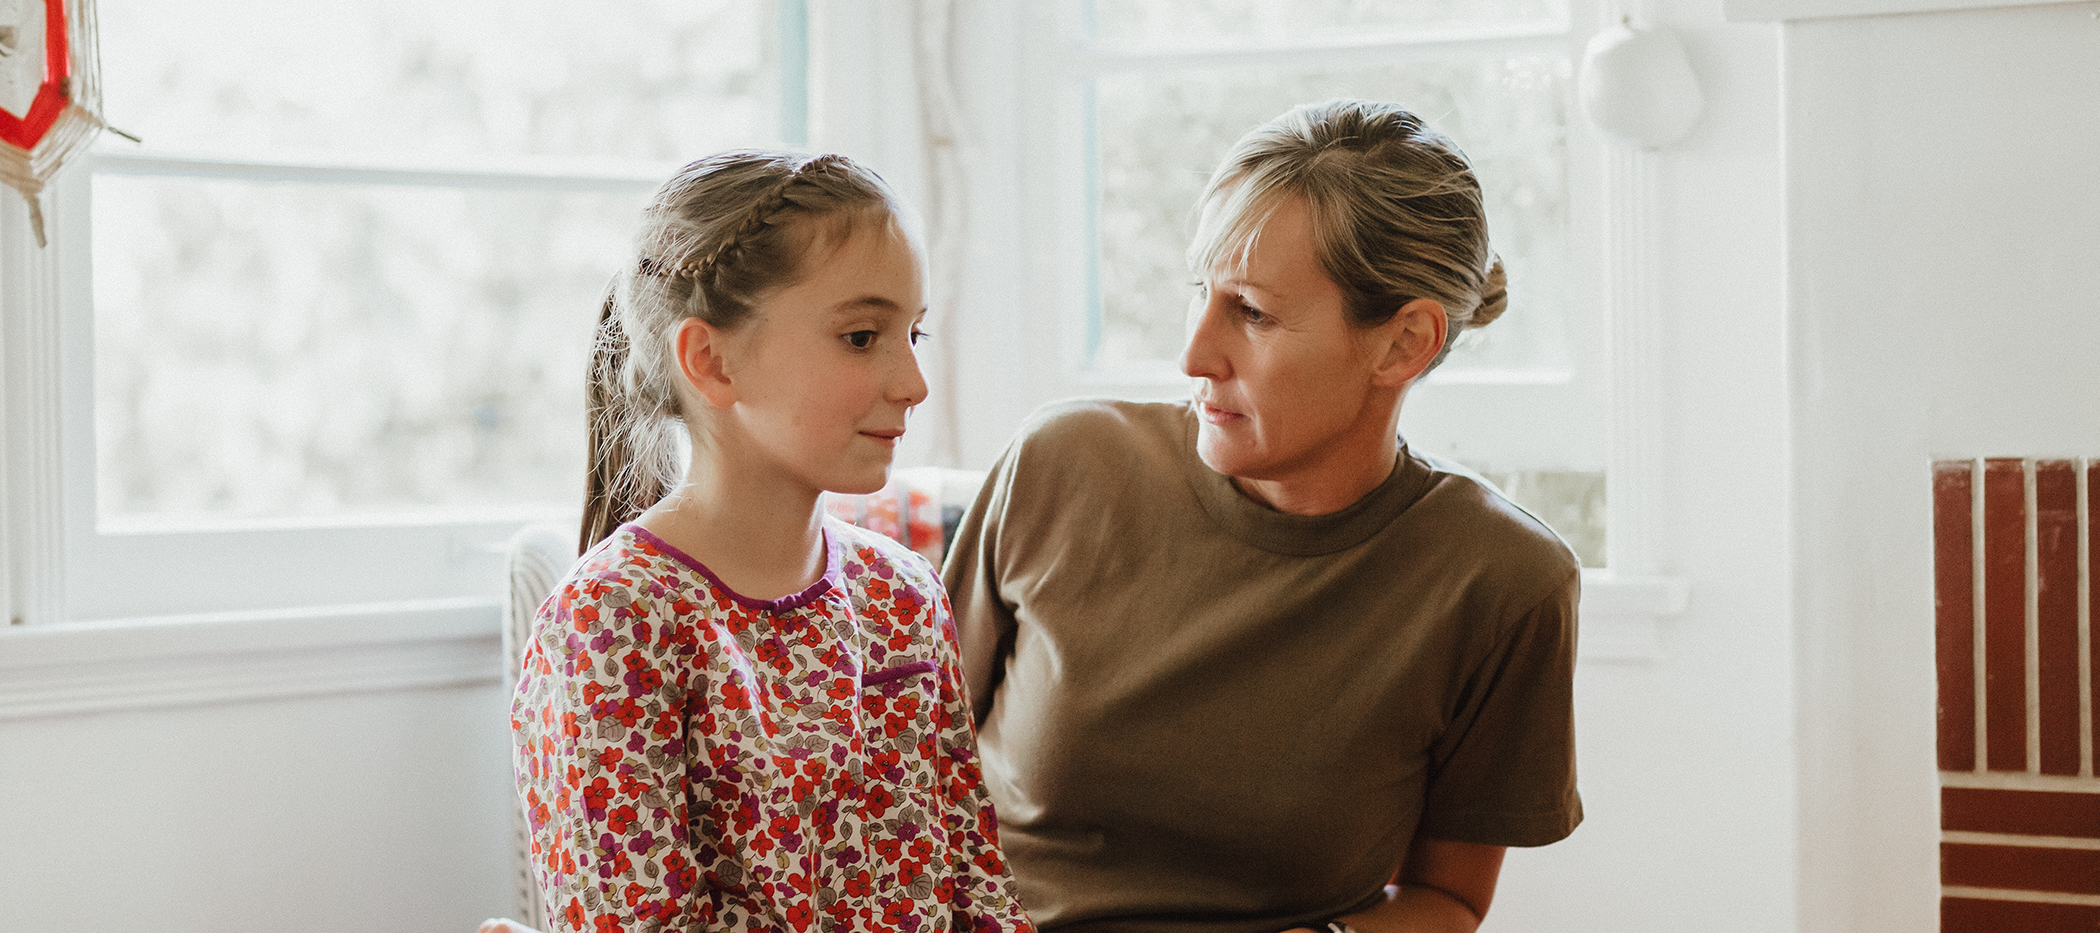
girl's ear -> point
(1408, 342)
(700, 347)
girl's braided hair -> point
(720, 235)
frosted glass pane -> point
(665, 80)
(284, 349)
(1181, 22)
(1159, 134)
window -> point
(1150, 94)
(336, 306)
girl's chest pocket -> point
(899, 705)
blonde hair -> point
(715, 239)
(1396, 211)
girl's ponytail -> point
(619, 484)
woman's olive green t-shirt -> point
(1197, 713)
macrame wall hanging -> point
(50, 92)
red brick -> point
(1954, 586)
(2020, 812)
(2056, 618)
(2021, 868)
(2092, 576)
(1977, 915)
(2005, 615)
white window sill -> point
(86, 667)
(1622, 615)
(62, 669)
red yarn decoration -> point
(25, 131)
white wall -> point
(1944, 263)
(1687, 762)
(364, 812)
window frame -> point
(60, 555)
(1010, 302)
(1508, 415)
(1614, 225)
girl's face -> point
(826, 373)
(1284, 388)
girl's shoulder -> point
(630, 568)
(869, 560)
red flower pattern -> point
(693, 761)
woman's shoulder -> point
(1461, 498)
(1098, 418)
(1077, 440)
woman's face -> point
(1284, 388)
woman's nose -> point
(1200, 358)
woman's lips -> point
(1212, 414)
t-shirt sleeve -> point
(983, 893)
(1503, 772)
(984, 619)
(600, 742)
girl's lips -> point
(887, 437)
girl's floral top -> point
(691, 759)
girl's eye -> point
(918, 335)
(860, 339)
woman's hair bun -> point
(1494, 295)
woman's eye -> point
(1252, 313)
(918, 335)
(860, 339)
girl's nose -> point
(908, 387)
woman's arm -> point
(980, 872)
(984, 623)
(1443, 886)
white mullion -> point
(500, 178)
(1377, 49)
(32, 514)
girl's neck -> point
(764, 540)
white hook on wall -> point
(1637, 86)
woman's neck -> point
(1325, 488)
(763, 539)
(1337, 475)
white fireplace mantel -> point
(1774, 11)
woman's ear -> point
(1409, 341)
(700, 347)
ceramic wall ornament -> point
(50, 94)
(1637, 86)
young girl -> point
(735, 713)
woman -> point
(1240, 662)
